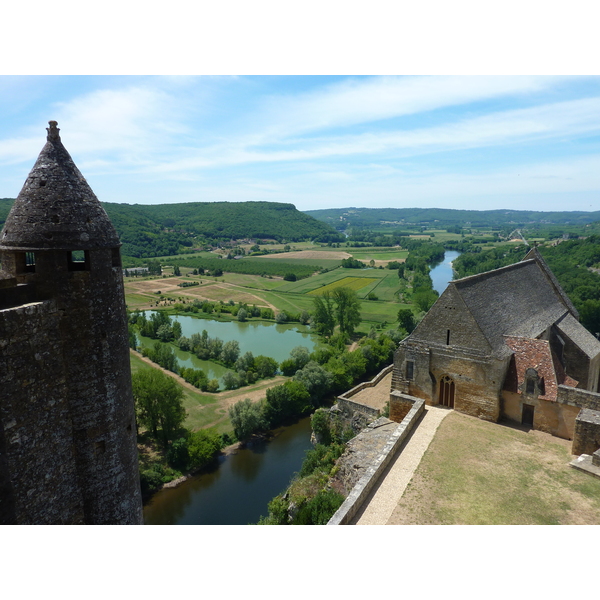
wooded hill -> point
(163, 229)
(394, 218)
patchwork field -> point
(352, 283)
(310, 255)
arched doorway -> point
(446, 396)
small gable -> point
(534, 369)
(450, 323)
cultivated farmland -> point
(352, 283)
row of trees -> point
(318, 375)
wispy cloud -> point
(314, 140)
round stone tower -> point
(68, 450)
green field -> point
(352, 283)
(297, 296)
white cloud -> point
(356, 101)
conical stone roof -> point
(57, 209)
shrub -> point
(203, 446)
(318, 510)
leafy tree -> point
(315, 379)
(242, 315)
(425, 299)
(245, 362)
(176, 330)
(406, 319)
(347, 309)
(265, 366)
(203, 445)
(230, 352)
(323, 318)
(231, 381)
(300, 355)
(286, 402)
(159, 404)
(247, 419)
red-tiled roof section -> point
(535, 354)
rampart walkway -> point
(382, 501)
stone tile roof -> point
(535, 354)
(57, 209)
(515, 300)
(586, 342)
(535, 255)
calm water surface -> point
(237, 491)
(442, 274)
(258, 337)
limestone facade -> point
(506, 344)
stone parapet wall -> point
(400, 405)
(578, 397)
(361, 490)
(348, 407)
(367, 384)
(587, 432)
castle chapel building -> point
(507, 344)
(68, 452)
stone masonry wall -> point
(587, 432)
(34, 417)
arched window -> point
(446, 394)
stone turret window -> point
(30, 262)
(24, 262)
(447, 337)
(116, 257)
(79, 260)
(410, 369)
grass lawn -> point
(480, 473)
(203, 410)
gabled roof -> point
(57, 209)
(584, 340)
(515, 300)
(535, 354)
(534, 254)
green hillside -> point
(165, 229)
(395, 218)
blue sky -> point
(478, 142)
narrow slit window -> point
(447, 337)
(30, 262)
(116, 257)
(410, 369)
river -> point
(442, 273)
(237, 490)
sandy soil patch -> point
(309, 254)
(152, 286)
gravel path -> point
(382, 501)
